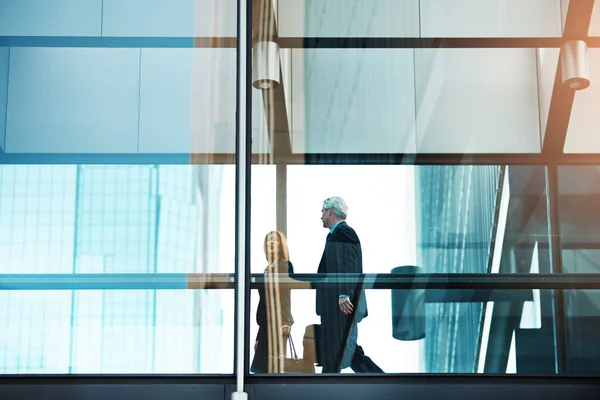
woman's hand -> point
(255, 346)
(285, 330)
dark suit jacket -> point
(342, 255)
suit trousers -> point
(339, 348)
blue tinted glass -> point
(110, 220)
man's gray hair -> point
(339, 206)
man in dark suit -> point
(341, 305)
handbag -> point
(310, 342)
(295, 364)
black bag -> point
(295, 364)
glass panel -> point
(414, 18)
(131, 18)
(581, 137)
(4, 52)
(286, 75)
(124, 225)
(348, 18)
(490, 18)
(180, 111)
(50, 18)
(466, 105)
(116, 331)
(353, 101)
(564, 7)
(264, 219)
(261, 140)
(583, 326)
(499, 331)
(169, 18)
(579, 193)
(71, 91)
(547, 62)
(595, 21)
(451, 219)
(170, 108)
(381, 252)
(363, 101)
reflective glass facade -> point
(131, 212)
(109, 220)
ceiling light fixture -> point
(265, 65)
(574, 64)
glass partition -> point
(429, 221)
(420, 330)
(594, 29)
(419, 18)
(110, 267)
(465, 104)
(116, 331)
(450, 219)
(398, 100)
(113, 225)
(495, 18)
(96, 18)
(584, 116)
(582, 312)
(579, 191)
(438, 122)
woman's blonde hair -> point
(282, 251)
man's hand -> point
(285, 330)
(345, 305)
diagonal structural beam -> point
(264, 27)
(577, 23)
(506, 317)
(277, 122)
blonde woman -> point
(273, 315)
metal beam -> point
(419, 159)
(277, 122)
(279, 157)
(264, 28)
(577, 23)
(123, 158)
(557, 267)
(416, 43)
(498, 286)
(298, 386)
(227, 42)
(301, 159)
(281, 198)
(118, 42)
